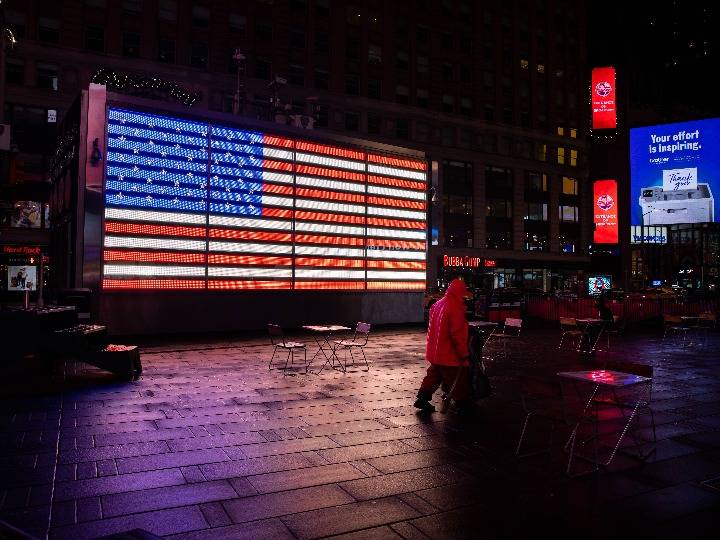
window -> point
(167, 10)
(561, 155)
(568, 213)
(489, 112)
(536, 211)
(422, 131)
(297, 38)
(573, 133)
(321, 42)
(458, 193)
(402, 94)
(466, 106)
(535, 182)
(263, 30)
(322, 8)
(47, 76)
(48, 30)
(541, 68)
(95, 38)
(16, 21)
(296, 74)
(402, 60)
(422, 35)
(448, 136)
(402, 128)
(238, 24)
(499, 240)
(352, 48)
(535, 241)
(14, 71)
(199, 55)
(373, 124)
(200, 16)
(321, 78)
(448, 103)
(263, 68)
(569, 186)
(374, 88)
(490, 143)
(560, 131)
(352, 121)
(166, 50)
(131, 44)
(499, 208)
(507, 87)
(541, 150)
(573, 158)
(524, 64)
(568, 243)
(498, 177)
(423, 64)
(447, 41)
(374, 54)
(352, 85)
(447, 71)
(132, 6)
(422, 97)
(507, 115)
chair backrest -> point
(672, 319)
(362, 332)
(567, 321)
(276, 334)
(512, 326)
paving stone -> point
(413, 460)
(114, 451)
(247, 467)
(214, 441)
(243, 487)
(165, 497)
(681, 469)
(88, 509)
(298, 478)
(281, 447)
(161, 523)
(402, 482)
(287, 502)
(376, 533)
(408, 531)
(170, 460)
(215, 514)
(63, 513)
(269, 529)
(670, 503)
(348, 518)
(192, 474)
(465, 523)
(86, 470)
(117, 484)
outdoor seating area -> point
(332, 352)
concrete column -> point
(554, 189)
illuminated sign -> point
(605, 215)
(604, 113)
(465, 261)
(21, 250)
(192, 205)
(490, 263)
(675, 172)
(649, 234)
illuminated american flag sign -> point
(191, 205)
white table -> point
(323, 335)
(606, 381)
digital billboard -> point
(604, 108)
(192, 205)
(605, 215)
(599, 285)
(675, 171)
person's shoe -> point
(424, 405)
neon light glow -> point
(190, 205)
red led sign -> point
(604, 112)
(471, 262)
(490, 263)
(21, 250)
(605, 215)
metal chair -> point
(277, 340)
(615, 328)
(510, 331)
(568, 327)
(674, 326)
(359, 340)
(540, 398)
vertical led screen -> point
(675, 172)
(605, 215)
(604, 112)
(190, 205)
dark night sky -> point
(666, 51)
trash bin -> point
(122, 360)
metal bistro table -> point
(483, 329)
(322, 335)
(606, 381)
(587, 324)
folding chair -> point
(359, 340)
(674, 326)
(569, 327)
(541, 398)
(510, 331)
(706, 322)
(277, 340)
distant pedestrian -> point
(447, 350)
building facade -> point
(495, 93)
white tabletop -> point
(481, 323)
(329, 328)
(605, 377)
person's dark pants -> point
(444, 376)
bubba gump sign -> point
(461, 261)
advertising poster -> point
(605, 216)
(21, 278)
(599, 285)
(675, 172)
(604, 111)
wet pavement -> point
(210, 444)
